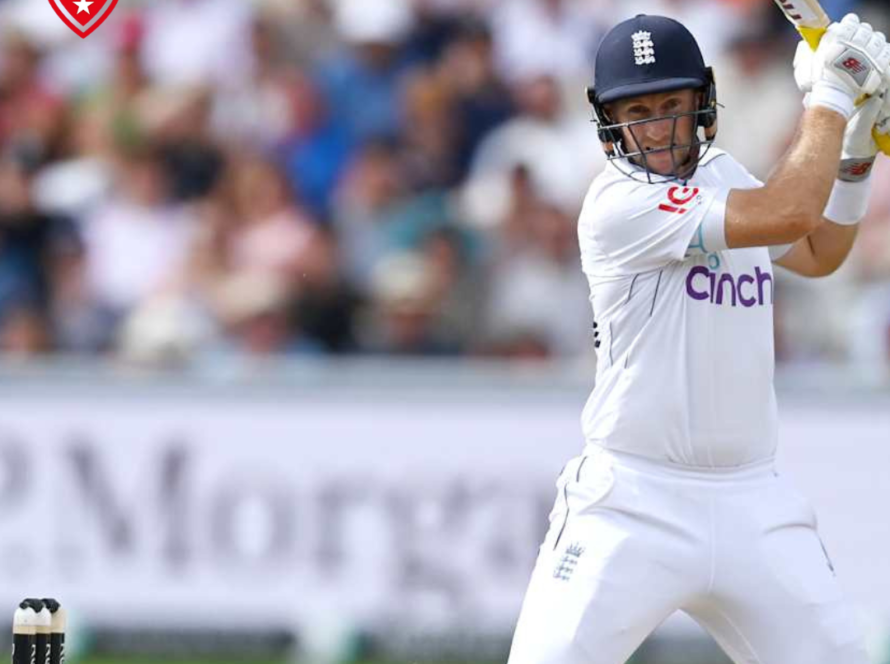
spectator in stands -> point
(536, 280)
(24, 332)
(108, 113)
(401, 319)
(460, 285)
(750, 62)
(372, 185)
(138, 240)
(271, 233)
(360, 84)
(178, 124)
(256, 315)
(30, 113)
(33, 246)
(565, 34)
(559, 150)
(266, 109)
(482, 101)
(429, 133)
(198, 42)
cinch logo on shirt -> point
(719, 288)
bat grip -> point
(812, 36)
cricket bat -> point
(808, 17)
(812, 22)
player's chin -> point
(662, 162)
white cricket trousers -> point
(632, 540)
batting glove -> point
(852, 60)
(860, 147)
(850, 194)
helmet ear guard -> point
(608, 137)
(708, 119)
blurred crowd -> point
(400, 177)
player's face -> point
(658, 139)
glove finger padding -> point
(845, 28)
(877, 42)
(860, 150)
(857, 138)
(803, 67)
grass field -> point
(116, 660)
(129, 660)
(110, 659)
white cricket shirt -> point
(685, 363)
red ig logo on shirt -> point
(679, 196)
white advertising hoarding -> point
(409, 507)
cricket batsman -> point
(675, 503)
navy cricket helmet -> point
(647, 55)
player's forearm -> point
(831, 244)
(821, 252)
(799, 187)
(789, 206)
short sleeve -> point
(641, 227)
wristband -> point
(848, 202)
(829, 96)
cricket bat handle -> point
(812, 36)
